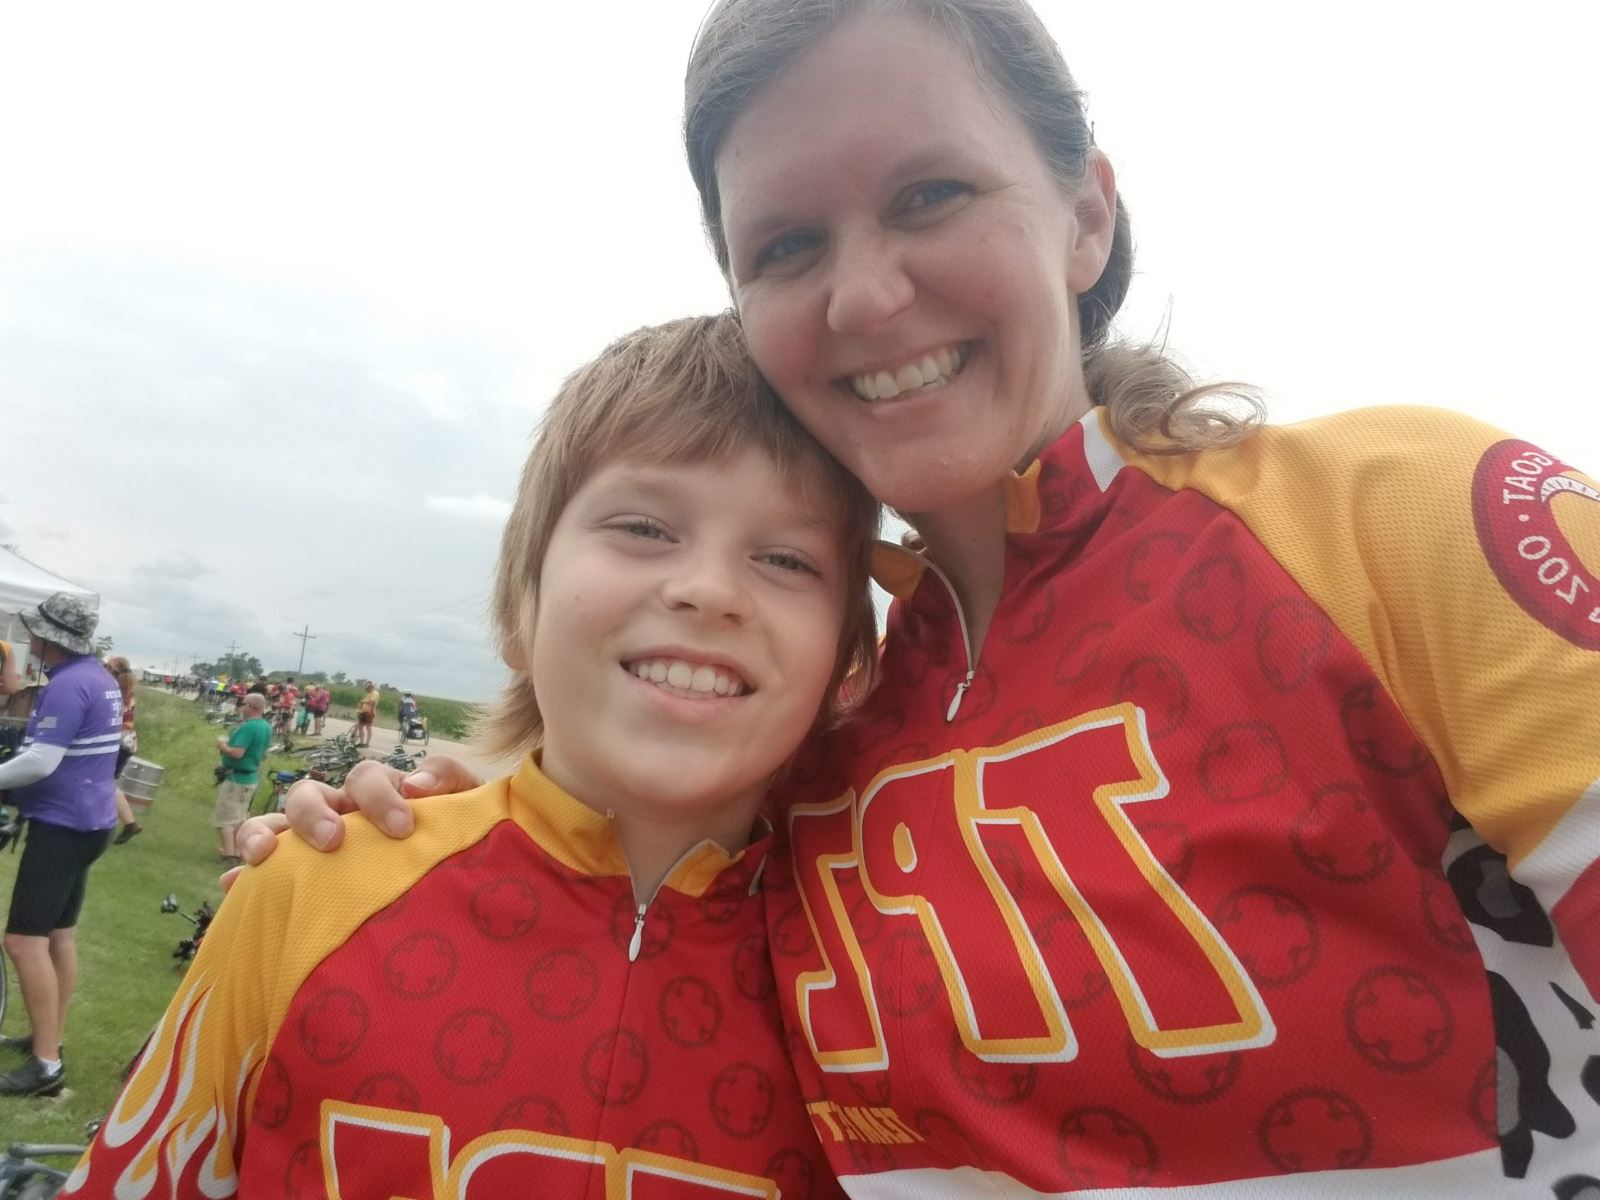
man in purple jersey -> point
(62, 781)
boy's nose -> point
(709, 585)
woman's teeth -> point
(931, 370)
(688, 677)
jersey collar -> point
(585, 841)
(1052, 492)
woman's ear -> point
(1095, 216)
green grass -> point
(125, 943)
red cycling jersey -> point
(478, 1011)
(1253, 854)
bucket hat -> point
(64, 619)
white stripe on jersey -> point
(115, 736)
(85, 751)
(1564, 853)
(1102, 457)
(1477, 1174)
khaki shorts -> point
(233, 804)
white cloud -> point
(477, 508)
(181, 567)
(309, 359)
(434, 393)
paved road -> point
(384, 739)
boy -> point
(558, 986)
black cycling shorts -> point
(52, 876)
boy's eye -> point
(935, 191)
(787, 246)
(642, 527)
(788, 560)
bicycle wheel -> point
(35, 1182)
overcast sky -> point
(283, 289)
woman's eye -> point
(936, 191)
(787, 246)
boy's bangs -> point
(673, 430)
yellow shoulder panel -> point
(279, 922)
(1465, 566)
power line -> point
(305, 635)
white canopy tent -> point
(23, 585)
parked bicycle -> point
(401, 761)
(282, 731)
(24, 1177)
(200, 919)
(332, 761)
(278, 783)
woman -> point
(122, 671)
(1207, 826)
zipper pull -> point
(638, 935)
(955, 701)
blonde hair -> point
(683, 392)
(744, 45)
(122, 671)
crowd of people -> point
(1217, 816)
(62, 765)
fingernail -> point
(423, 781)
(251, 845)
(322, 832)
(398, 822)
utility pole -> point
(305, 635)
(233, 650)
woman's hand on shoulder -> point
(381, 794)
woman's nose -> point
(869, 286)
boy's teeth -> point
(689, 677)
(935, 367)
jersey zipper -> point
(966, 644)
(636, 942)
(638, 933)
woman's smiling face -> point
(905, 263)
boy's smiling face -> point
(688, 623)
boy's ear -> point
(514, 649)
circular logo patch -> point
(1512, 494)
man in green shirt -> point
(242, 752)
